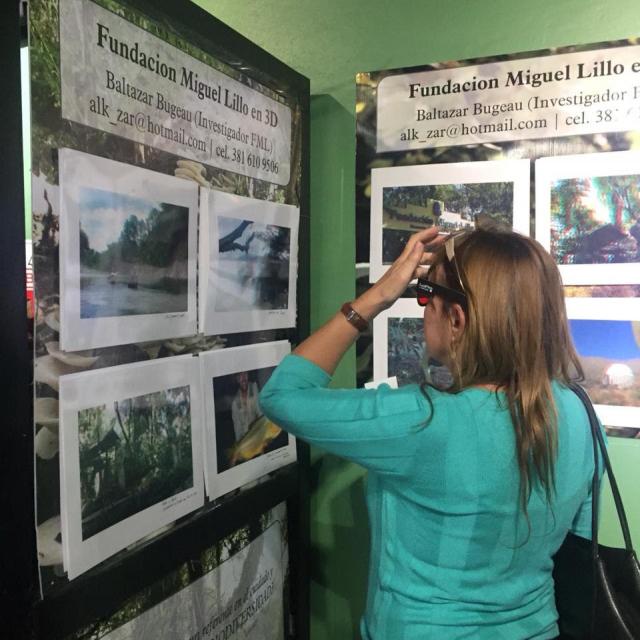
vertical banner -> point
(542, 142)
(133, 115)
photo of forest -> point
(451, 207)
(406, 350)
(253, 265)
(134, 453)
(407, 359)
(609, 352)
(133, 255)
(242, 431)
(596, 220)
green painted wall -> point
(329, 41)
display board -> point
(543, 142)
(153, 123)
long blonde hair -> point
(516, 337)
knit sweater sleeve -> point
(373, 427)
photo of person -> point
(241, 443)
(242, 432)
(451, 207)
(244, 407)
(133, 255)
(253, 265)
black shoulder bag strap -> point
(616, 572)
(599, 444)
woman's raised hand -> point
(326, 346)
(412, 263)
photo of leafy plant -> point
(242, 431)
(596, 220)
(253, 265)
(406, 350)
(407, 358)
(134, 453)
(451, 207)
(133, 255)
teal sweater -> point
(451, 553)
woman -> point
(471, 490)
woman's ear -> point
(458, 321)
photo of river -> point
(104, 298)
(133, 255)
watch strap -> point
(353, 317)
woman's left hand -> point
(326, 346)
(412, 263)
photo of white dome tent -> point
(609, 351)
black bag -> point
(597, 588)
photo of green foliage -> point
(596, 220)
(133, 255)
(406, 350)
(451, 207)
(134, 453)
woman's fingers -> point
(421, 272)
(425, 236)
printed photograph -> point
(241, 444)
(399, 349)
(587, 216)
(407, 358)
(249, 258)
(451, 207)
(128, 253)
(406, 350)
(596, 220)
(253, 265)
(242, 432)
(453, 196)
(134, 453)
(130, 455)
(133, 255)
(609, 352)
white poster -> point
(145, 89)
(567, 94)
(130, 455)
(128, 253)
(452, 196)
(241, 444)
(587, 218)
(606, 335)
(241, 599)
(248, 263)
